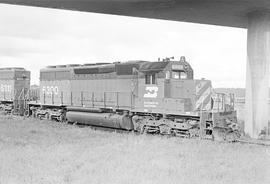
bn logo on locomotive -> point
(151, 92)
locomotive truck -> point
(159, 97)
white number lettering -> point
(5, 88)
(56, 90)
(49, 90)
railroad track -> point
(262, 142)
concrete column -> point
(257, 78)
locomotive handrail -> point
(226, 101)
(93, 99)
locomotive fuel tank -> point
(119, 121)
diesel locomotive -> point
(14, 87)
(153, 97)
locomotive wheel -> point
(12, 112)
(194, 132)
(26, 113)
(143, 130)
(34, 114)
(47, 116)
(165, 129)
(62, 119)
(50, 117)
(173, 133)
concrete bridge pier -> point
(257, 76)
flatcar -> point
(14, 86)
(154, 97)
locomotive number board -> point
(177, 67)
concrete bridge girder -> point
(257, 78)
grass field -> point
(41, 152)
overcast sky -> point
(36, 37)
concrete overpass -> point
(251, 14)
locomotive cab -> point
(167, 87)
(181, 105)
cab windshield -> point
(179, 75)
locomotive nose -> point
(203, 94)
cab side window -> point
(147, 79)
(153, 79)
(150, 79)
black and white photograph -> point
(134, 92)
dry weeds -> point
(43, 152)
